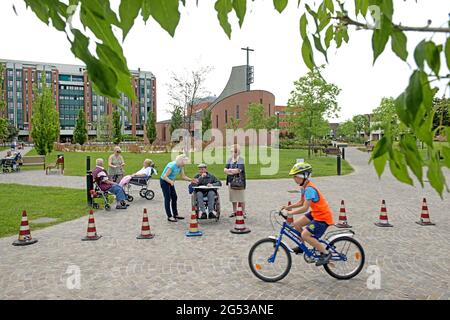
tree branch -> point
(346, 20)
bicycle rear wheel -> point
(258, 259)
(353, 252)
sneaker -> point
(212, 215)
(203, 215)
(172, 219)
(124, 204)
(324, 258)
(121, 207)
(297, 250)
(179, 218)
(233, 215)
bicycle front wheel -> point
(353, 252)
(258, 259)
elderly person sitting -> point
(147, 171)
(105, 184)
(204, 178)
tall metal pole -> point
(89, 181)
(338, 159)
(248, 66)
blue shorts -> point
(316, 228)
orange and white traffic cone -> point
(145, 229)
(425, 216)
(342, 217)
(193, 226)
(24, 232)
(383, 222)
(91, 230)
(290, 217)
(239, 225)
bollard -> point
(338, 165)
(343, 153)
(89, 181)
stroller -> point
(11, 164)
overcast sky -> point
(200, 41)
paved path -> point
(414, 260)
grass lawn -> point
(60, 203)
(75, 162)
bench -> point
(33, 161)
(332, 151)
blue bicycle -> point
(270, 258)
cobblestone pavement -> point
(414, 260)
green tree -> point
(80, 133)
(3, 129)
(151, 127)
(317, 100)
(103, 126)
(441, 119)
(12, 132)
(385, 118)
(233, 123)
(116, 127)
(45, 119)
(347, 130)
(256, 118)
(362, 124)
(271, 123)
(108, 70)
(206, 124)
(176, 120)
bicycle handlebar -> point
(280, 213)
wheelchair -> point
(11, 164)
(205, 200)
(144, 192)
(97, 193)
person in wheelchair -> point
(100, 177)
(204, 178)
(146, 172)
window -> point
(237, 112)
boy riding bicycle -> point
(317, 213)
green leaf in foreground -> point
(413, 159)
(398, 43)
(223, 8)
(240, 7)
(307, 54)
(128, 11)
(280, 5)
(166, 13)
(435, 175)
(398, 167)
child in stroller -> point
(11, 162)
(141, 179)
